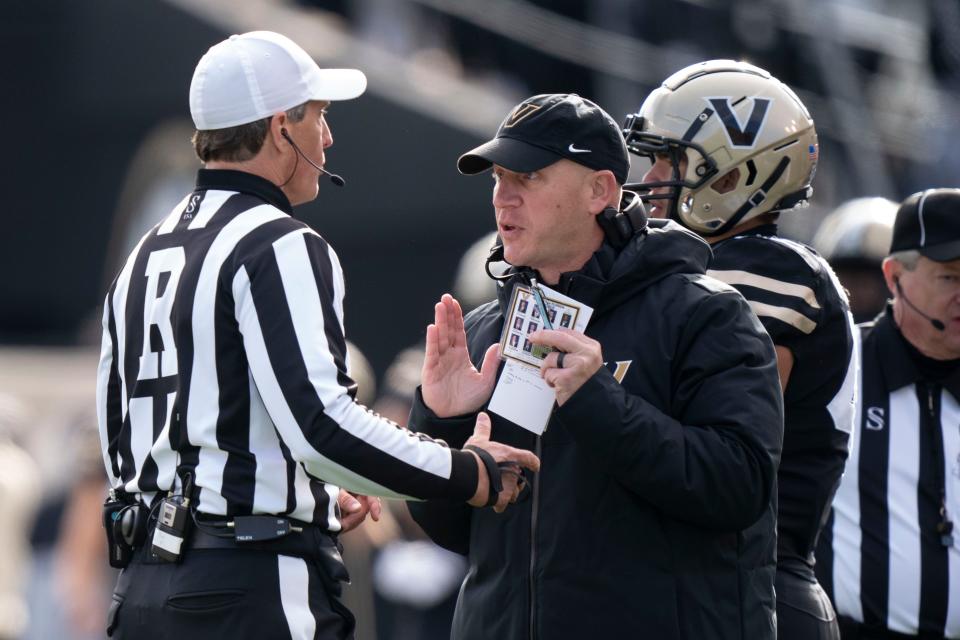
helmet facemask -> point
(679, 153)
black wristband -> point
(493, 473)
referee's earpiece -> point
(934, 322)
(334, 178)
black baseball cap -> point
(545, 128)
(929, 222)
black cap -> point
(545, 128)
(929, 222)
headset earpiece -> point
(612, 222)
(619, 226)
(937, 324)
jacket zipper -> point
(535, 502)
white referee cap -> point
(251, 76)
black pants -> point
(227, 593)
(803, 610)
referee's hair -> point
(239, 143)
(908, 258)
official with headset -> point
(655, 515)
(889, 556)
(228, 419)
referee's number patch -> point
(159, 356)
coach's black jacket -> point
(654, 513)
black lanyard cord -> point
(945, 526)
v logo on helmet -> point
(742, 136)
(520, 113)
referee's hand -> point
(500, 453)
(354, 509)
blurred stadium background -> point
(99, 128)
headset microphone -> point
(937, 324)
(334, 178)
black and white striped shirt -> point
(881, 558)
(803, 307)
(224, 355)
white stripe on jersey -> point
(162, 451)
(295, 597)
(950, 418)
(338, 287)
(306, 311)
(210, 205)
(843, 405)
(276, 404)
(103, 382)
(306, 503)
(141, 437)
(170, 222)
(119, 315)
(791, 317)
(903, 614)
(270, 495)
(203, 408)
(735, 277)
(142, 442)
(271, 469)
(847, 535)
(333, 493)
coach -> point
(889, 556)
(655, 516)
(227, 415)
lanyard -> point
(944, 527)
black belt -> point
(306, 541)
(309, 542)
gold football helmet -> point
(740, 142)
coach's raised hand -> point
(451, 385)
(501, 453)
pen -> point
(538, 298)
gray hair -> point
(908, 258)
(239, 143)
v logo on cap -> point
(573, 149)
(521, 112)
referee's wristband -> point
(493, 473)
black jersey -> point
(804, 308)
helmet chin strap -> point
(755, 200)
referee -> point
(889, 556)
(227, 416)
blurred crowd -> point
(857, 64)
